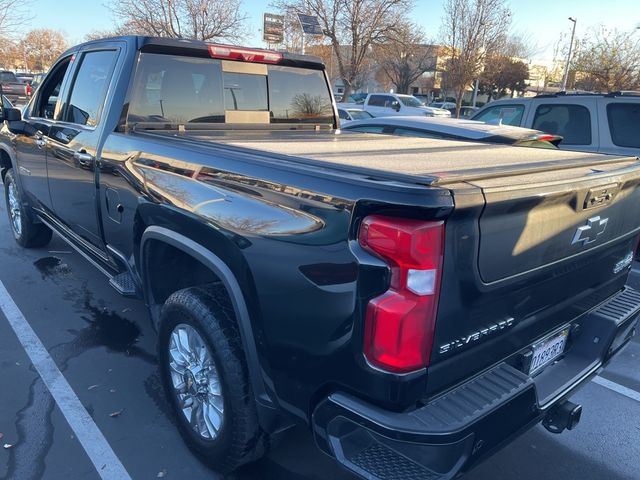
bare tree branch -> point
(353, 27)
(220, 20)
(607, 61)
(405, 57)
(472, 30)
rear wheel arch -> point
(160, 237)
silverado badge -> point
(476, 336)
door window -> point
(343, 114)
(510, 114)
(624, 124)
(410, 132)
(90, 87)
(381, 101)
(45, 106)
(571, 122)
(368, 129)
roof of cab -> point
(198, 48)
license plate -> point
(548, 350)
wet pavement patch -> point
(52, 267)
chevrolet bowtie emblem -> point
(589, 233)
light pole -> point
(566, 67)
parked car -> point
(37, 80)
(445, 105)
(388, 104)
(12, 88)
(416, 303)
(606, 123)
(347, 115)
(25, 77)
(455, 129)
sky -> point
(542, 20)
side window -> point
(509, 114)
(90, 87)
(408, 132)
(377, 100)
(624, 124)
(368, 129)
(343, 114)
(572, 122)
(47, 100)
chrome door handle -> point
(40, 141)
(83, 158)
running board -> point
(124, 284)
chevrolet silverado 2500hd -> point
(416, 302)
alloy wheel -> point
(196, 381)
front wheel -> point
(26, 231)
(205, 377)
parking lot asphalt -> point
(105, 348)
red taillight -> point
(244, 54)
(29, 90)
(400, 324)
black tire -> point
(30, 233)
(240, 439)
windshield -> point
(410, 101)
(357, 98)
(360, 114)
(180, 90)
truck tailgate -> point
(525, 254)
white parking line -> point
(616, 387)
(104, 459)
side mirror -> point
(395, 105)
(12, 114)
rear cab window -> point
(624, 124)
(8, 77)
(179, 90)
(510, 114)
(572, 122)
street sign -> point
(310, 24)
(273, 28)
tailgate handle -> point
(598, 196)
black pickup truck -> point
(16, 91)
(416, 302)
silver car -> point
(456, 129)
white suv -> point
(606, 123)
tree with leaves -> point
(193, 19)
(607, 61)
(502, 74)
(472, 30)
(353, 27)
(405, 57)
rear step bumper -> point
(456, 430)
